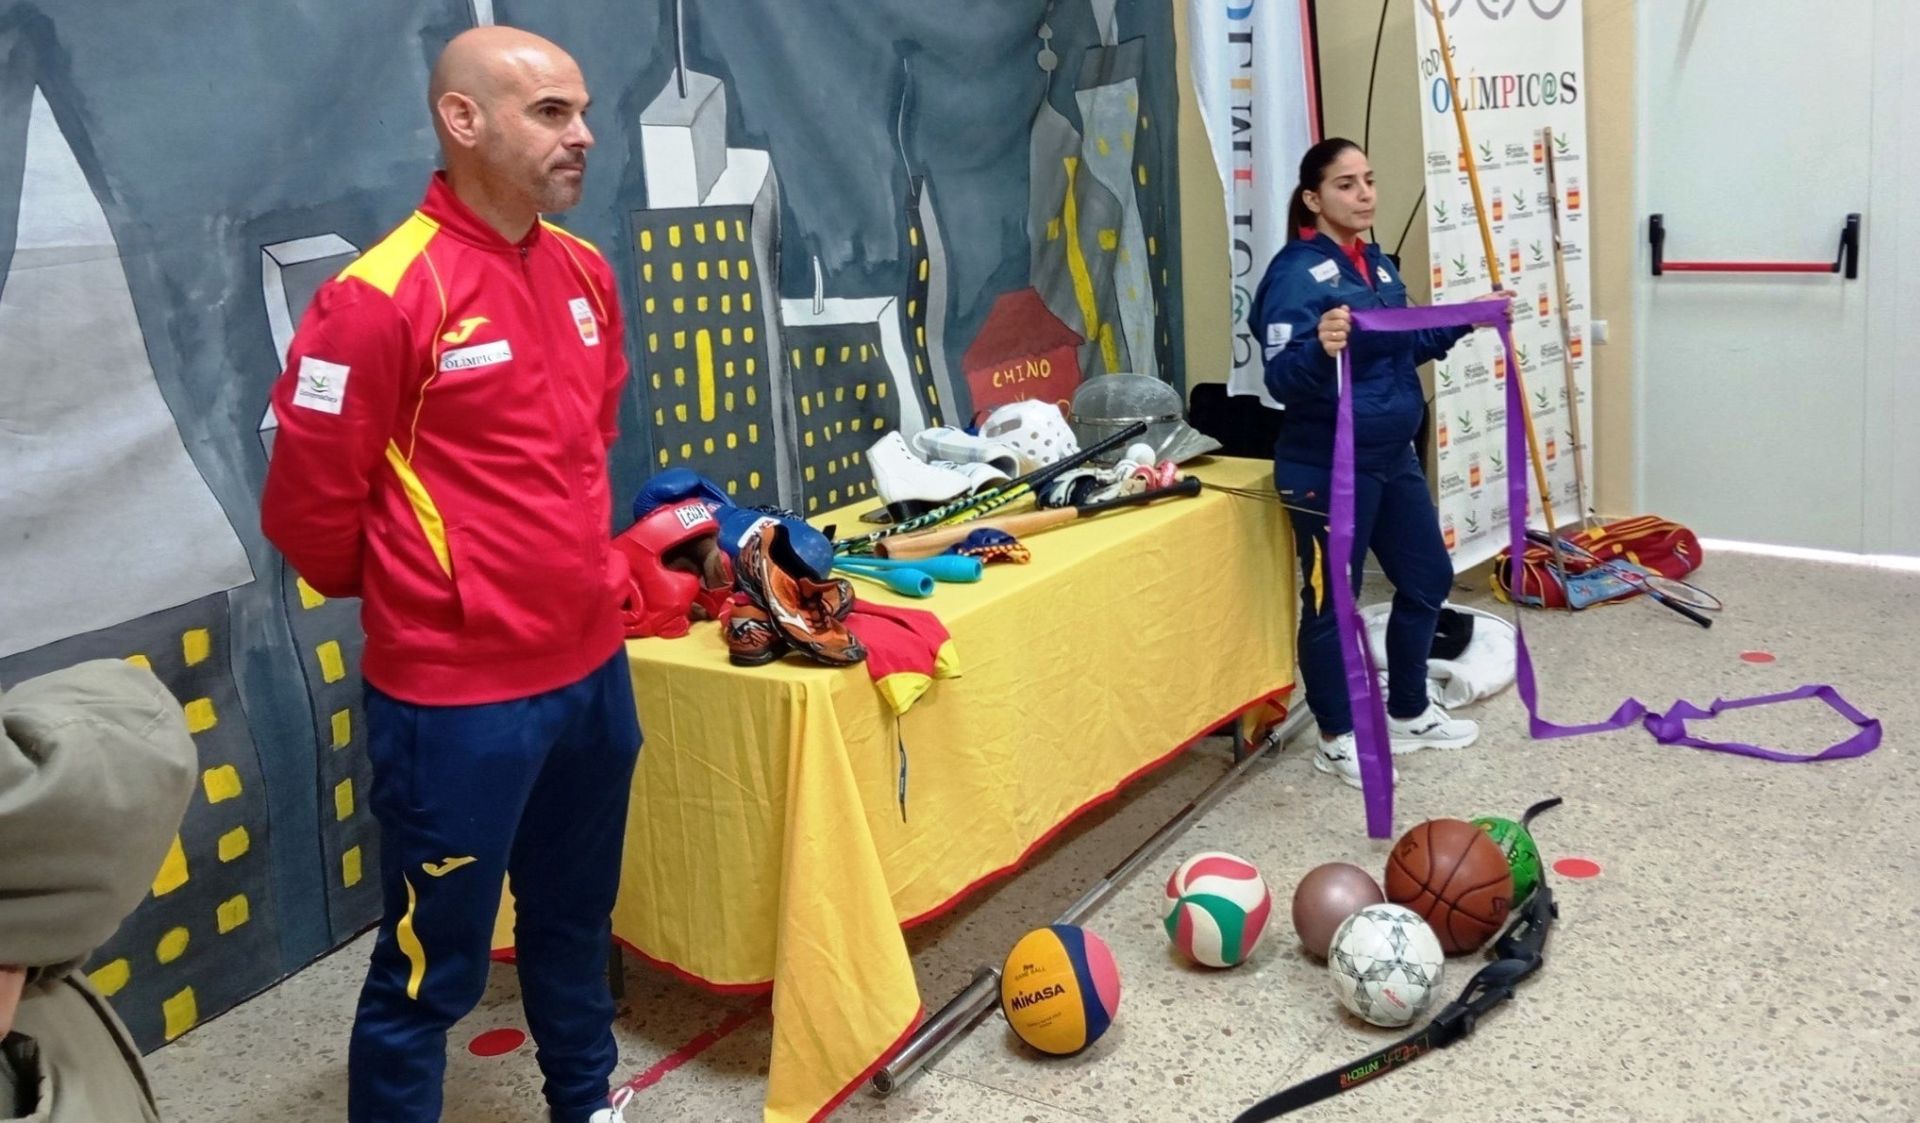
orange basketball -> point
(1452, 874)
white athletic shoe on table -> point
(1340, 757)
(1434, 729)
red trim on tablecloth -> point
(686, 976)
(880, 1062)
(954, 901)
(506, 955)
(705, 1041)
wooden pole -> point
(1493, 270)
(1566, 342)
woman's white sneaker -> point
(616, 1109)
(1434, 729)
(1340, 757)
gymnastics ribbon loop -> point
(1369, 712)
(1670, 728)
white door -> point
(1894, 328)
(1756, 402)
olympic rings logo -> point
(1501, 9)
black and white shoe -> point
(1434, 729)
(1340, 757)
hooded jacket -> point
(96, 767)
(1306, 279)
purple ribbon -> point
(1363, 685)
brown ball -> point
(1452, 874)
(1328, 895)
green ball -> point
(1523, 857)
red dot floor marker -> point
(1576, 867)
(497, 1042)
(1756, 656)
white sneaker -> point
(1434, 729)
(616, 1109)
(1341, 757)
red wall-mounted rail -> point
(1746, 267)
(1845, 263)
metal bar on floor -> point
(968, 1008)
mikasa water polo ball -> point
(1060, 989)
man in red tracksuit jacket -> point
(444, 419)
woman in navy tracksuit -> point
(1301, 317)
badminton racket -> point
(1686, 599)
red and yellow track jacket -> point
(444, 421)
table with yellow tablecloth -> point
(767, 846)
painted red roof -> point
(1019, 325)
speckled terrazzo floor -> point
(1745, 953)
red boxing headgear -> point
(677, 569)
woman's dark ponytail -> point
(1298, 216)
(1313, 170)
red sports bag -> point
(1654, 543)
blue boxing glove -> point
(673, 485)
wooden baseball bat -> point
(927, 543)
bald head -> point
(508, 107)
(486, 64)
(482, 62)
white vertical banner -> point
(1520, 72)
(1255, 94)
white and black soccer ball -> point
(1386, 964)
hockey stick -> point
(1519, 950)
(989, 500)
(930, 542)
(1032, 482)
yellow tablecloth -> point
(766, 843)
